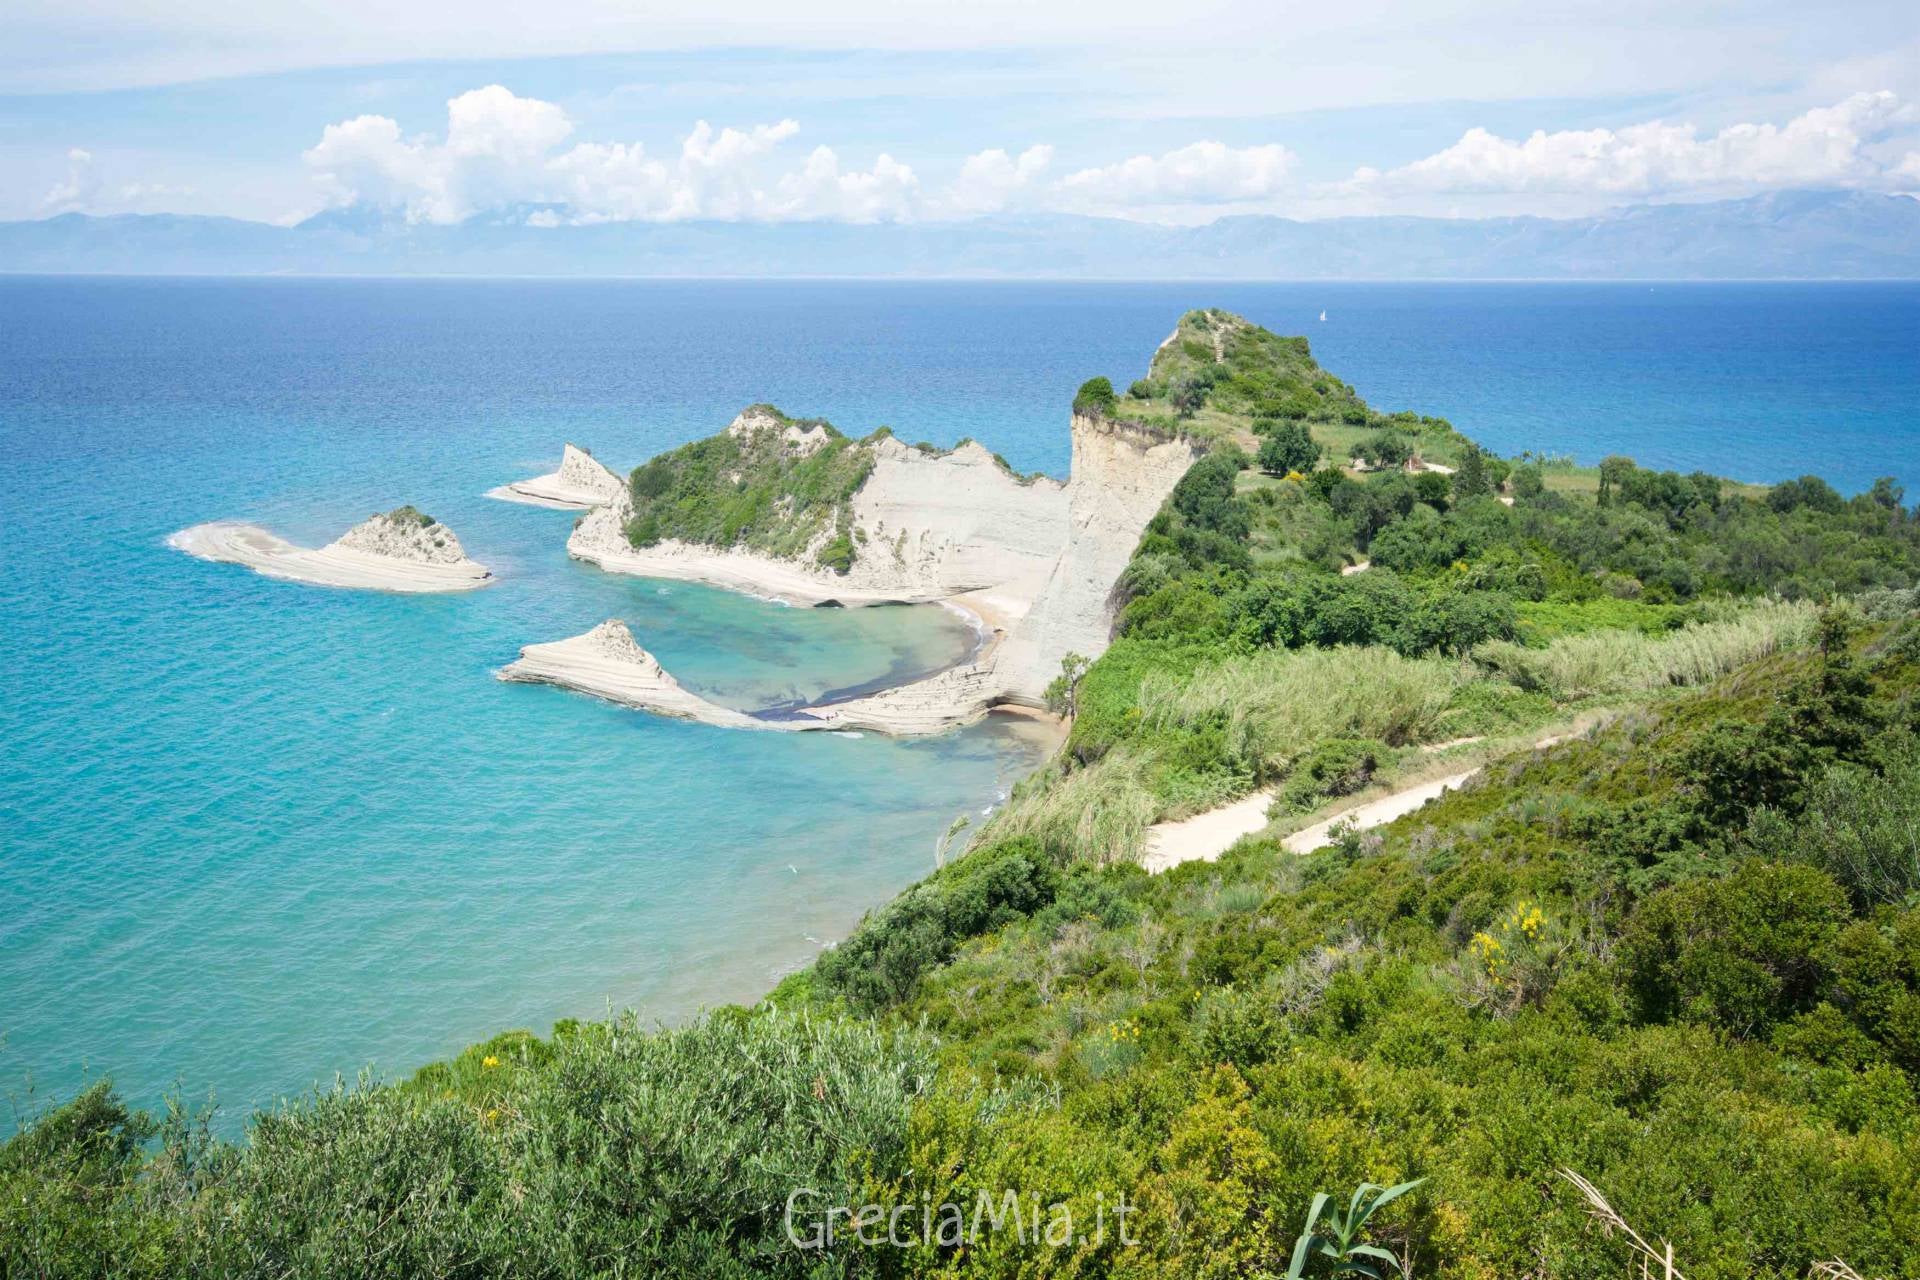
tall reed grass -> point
(1275, 704)
(1261, 711)
(1600, 663)
(1257, 714)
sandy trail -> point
(1375, 813)
(1204, 837)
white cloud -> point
(1202, 173)
(888, 192)
(85, 189)
(1826, 146)
(496, 146)
(76, 191)
(990, 181)
(501, 150)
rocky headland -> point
(829, 520)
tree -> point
(1470, 481)
(1613, 469)
(1189, 395)
(1290, 447)
(1063, 693)
(1807, 491)
(1386, 449)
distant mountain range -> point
(1798, 234)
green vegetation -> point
(411, 515)
(1287, 447)
(1095, 396)
(755, 489)
(1679, 954)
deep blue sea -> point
(254, 833)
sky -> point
(587, 111)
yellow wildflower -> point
(489, 1062)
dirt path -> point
(1375, 813)
(1205, 836)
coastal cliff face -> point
(918, 525)
(1035, 559)
(581, 470)
(1121, 475)
(404, 534)
(942, 524)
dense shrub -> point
(1742, 953)
(1095, 396)
(883, 959)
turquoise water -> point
(254, 833)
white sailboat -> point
(1323, 317)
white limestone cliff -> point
(1034, 560)
(582, 483)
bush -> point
(1335, 767)
(1743, 953)
(1095, 396)
(837, 554)
(1860, 827)
(883, 959)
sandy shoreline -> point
(608, 663)
(333, 565)
(744, 572)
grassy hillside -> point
(752, 488)
(1679, 955)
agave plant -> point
(1338, 1238)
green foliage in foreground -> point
(1588, 960)
(1681, 956)
(1584, 961)
(609, 1150)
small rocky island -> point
(401, 550)
(582, 483)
